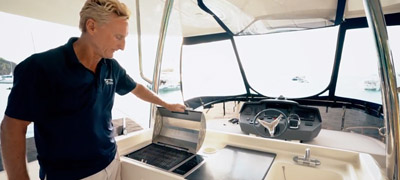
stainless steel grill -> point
(176, 139)
(160, 156)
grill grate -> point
(160, 156)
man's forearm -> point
(13, 148)
(147, 95)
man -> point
(68, 92)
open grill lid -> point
(181, 130)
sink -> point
(294, 172)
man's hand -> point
(176, 107)
(145, 94)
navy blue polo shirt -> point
(71, 110)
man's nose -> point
(122, 45)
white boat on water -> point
(300, 79)
(168, 83)
(235, 59)
(372, 85)
(6, 79)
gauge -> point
(294, 121)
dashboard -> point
(280, 119)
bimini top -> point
(248, 17)
(203, 17)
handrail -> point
(377, 24)
(160, 50)
(139, 34)
(379, 129)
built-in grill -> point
(176, 139)
(160, 156)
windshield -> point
(364, 83)
(210, 69)
(293, 64)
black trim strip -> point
(204, 8)
(354, 23)
(246, 83)
(206, 38)
(340, 11)
(338, 56)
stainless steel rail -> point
(160, 50)
(139, 34)
(377, 24)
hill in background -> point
(6, 67)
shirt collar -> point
(70, 51)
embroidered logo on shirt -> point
(109, 81)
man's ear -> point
(90, 25)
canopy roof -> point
(202, 17)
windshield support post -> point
(245, 81)
(139, 35)
(390, 102)
(336, 65)
(160, 49)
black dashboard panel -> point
(297, 122)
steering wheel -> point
(270, 123)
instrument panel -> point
(280, 119)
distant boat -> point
(300, 79)
(168, 82)
(6, 79)
(372, 85)
(167, 86)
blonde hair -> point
(101, 11)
